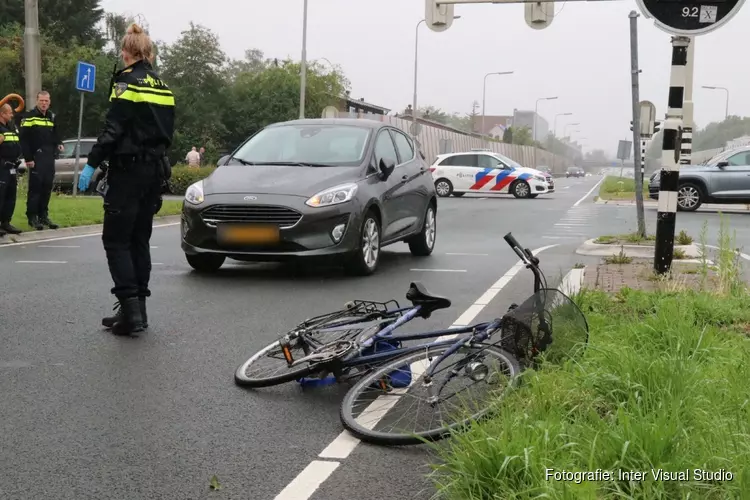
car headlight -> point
(194, 193)
(333, 196)
(540, 178)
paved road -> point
(86, 415)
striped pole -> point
(644, 146)
(686, 146)
(670, 167)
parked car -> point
(486, 172)
(66, 159)
(321, 188)
(575, 172)
(725, 178)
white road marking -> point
(573, 224)
(169, 224)
(59, 246)
(308, 480)
(154, 247)
(157, 263)
(742, 255)
(588, 194)
(41, 262)
(566, 187)
(303, 486)
(440, 270)
(469, 254)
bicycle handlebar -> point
(527, 257)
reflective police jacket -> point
(10, 148)
(39, 132)
(140, 120)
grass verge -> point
(620, 188)
(79, 211)
(663, 385)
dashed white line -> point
(309, 480)
(63, 238)
(469, 254)
(58, 246)
(41, 262)
(439, 270)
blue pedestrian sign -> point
(85, 77)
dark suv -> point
(575, 172)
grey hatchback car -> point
(336, 189)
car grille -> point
(257, 214)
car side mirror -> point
(722, 164)
(386, 167)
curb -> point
(572, 283)
(70, 232)
(638, 251)
(707, 207)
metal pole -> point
(533, 131)
(32, 52)
(484, 99)
(726, 110)
(670, 169)
(78, 148)
(303, 65)
(414, 103)
(637, 159)
(686, 141)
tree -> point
(508, 135)
(66, 22)
(520, 135)
(434, 114)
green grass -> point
(68, 211)
(626, 239)
(620, 188)
(662, 385)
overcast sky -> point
(582, 57)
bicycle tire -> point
(241, 378)
(368, 435)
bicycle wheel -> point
(299, 347)
(372, 408)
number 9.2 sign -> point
(689, 17)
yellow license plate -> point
(238, 234)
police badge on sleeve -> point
(120, 89)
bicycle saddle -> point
(420, 296)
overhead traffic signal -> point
(657, 127)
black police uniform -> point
(39, 141)
(10, 154)
(138, 130)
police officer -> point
(10, 154)
(138, 130)
(40, 142)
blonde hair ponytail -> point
(138, 44)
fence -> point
(434, 141)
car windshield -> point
(317, 145)
(508, 161)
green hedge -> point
(183, 177)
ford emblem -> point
(250, 198)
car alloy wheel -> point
(688, 197)
(443, 188)
(430, 228)
(370, 243)
(521, 189)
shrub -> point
(183, 177)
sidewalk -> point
(718, 207)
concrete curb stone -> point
(636, 251)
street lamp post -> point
(554, 136)
(726, 109)
(565, 129)
(303, 64)
(416, 60)
(484, 93)
(32, 52)
(533, 132)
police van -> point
(486, 172)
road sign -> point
(648, 118)
(85, 77)
(439, 17)
(539, 15)
(623, 150)
(689, 17)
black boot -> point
(130, 320)
(7, 227)
(34, 222)
(46, 222)
(110, 321)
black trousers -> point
(132, 200)
(8, 192)
(41, 179)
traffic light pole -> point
(637, 159)
(670, 169)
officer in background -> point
(40, 143)
(10, 154)
(138, 130)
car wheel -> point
(365, 259)
(423, 243)
(205, 263)
(443, 187)
(533, 195)
(520, 189)
(689, 197)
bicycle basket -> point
(548, 322)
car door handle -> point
(405, 177)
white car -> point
(486, 172)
